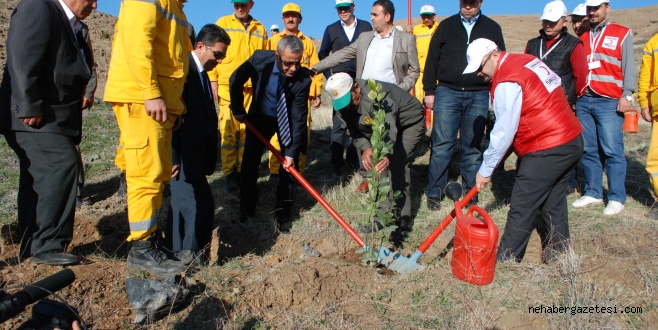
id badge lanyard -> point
(542, 56)
(594, 44)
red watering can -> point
(475, 246)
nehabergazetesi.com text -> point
(541, 309)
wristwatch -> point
(628, 98)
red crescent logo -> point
(543, 67)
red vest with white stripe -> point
(608, 79)
(547, 120)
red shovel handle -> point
(446, 221)
(307, 186)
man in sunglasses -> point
(292, 17)
(194, 147)
(281, 90)
(535, 120)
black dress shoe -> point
(55, 257)
(434, 203)
(398, 236)
(283, 225)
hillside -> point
(101, 27)
(517, 29)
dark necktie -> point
(282, 114)
(206, 85)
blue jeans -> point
(456, 111)
(604, 145)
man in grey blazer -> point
(386, 55)
(48, 67)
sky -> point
(317, 14)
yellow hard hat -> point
(291, 7)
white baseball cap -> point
(427, 10)
(476, 52)
(344, 3)
(553, 11)
(581, 10)
(595, 3)
(339, 86)
(274, 27)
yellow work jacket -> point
(648, 81)
(244, 42)
(423, 36)
(149, 54)
(309, 59)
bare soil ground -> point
(260, 281)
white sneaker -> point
(586, 200)
(613, 208)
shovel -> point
(309, 188)
(403, 265)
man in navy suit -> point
(194, 149)
(280, 106)
(48, 67)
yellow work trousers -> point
(147, 160)
(119, 160)
(232, 134)
(274, 162)
(652, 157)
(419, 92)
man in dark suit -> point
(337, 36)
(48, 67)
(194, 148)
(280, 106)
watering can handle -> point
(493, 238)
(308, 186)
(457, 211)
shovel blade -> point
(401, 264)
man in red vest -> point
(610, 84)
(534, 119)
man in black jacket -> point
(48, 67)
(460, 102)
(280, 106)
(336, 37)
(564, 54)
(194, 148)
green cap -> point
(239, 1)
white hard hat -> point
(581, 10)
(274, 27)
(476, 52)
(554, 10)
(427, 10)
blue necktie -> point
(282, 115)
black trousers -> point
(190, 220)
(47, 187)
(286, 190)
(540, 187)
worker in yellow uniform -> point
(247, 36)
(292, 17)
(423, 32)
(145, 81)
(647, 97)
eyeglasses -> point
(286, 63)
(481, 67)
(218, 55)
